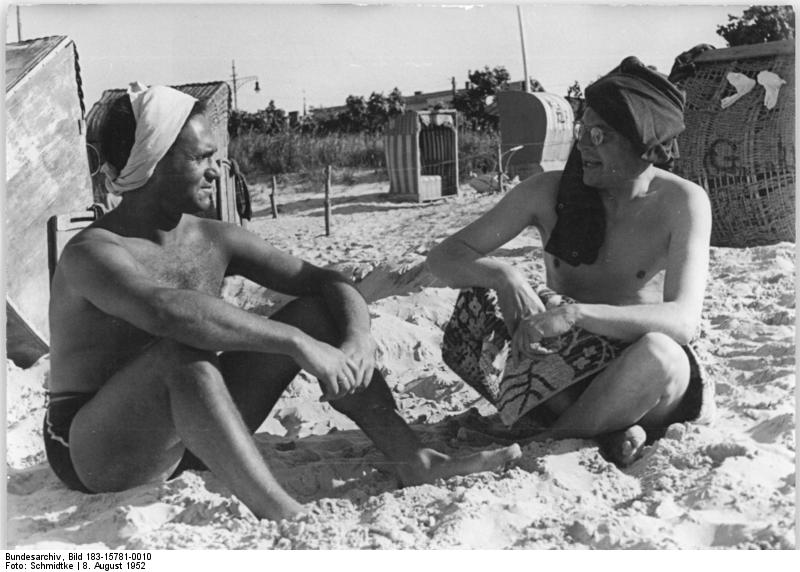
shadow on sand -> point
(313, 206)
(342, 464)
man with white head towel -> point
(153, 373)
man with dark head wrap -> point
(643, 106)
(599, 347)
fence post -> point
(499, 167)
(272, 199)
(328, 200)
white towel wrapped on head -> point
(160, 114)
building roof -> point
(23, 57)
(418, 100)
(201, 91)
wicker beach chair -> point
(742, 154)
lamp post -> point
(237, 82)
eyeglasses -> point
(596, 134)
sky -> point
(320, 54)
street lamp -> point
(236, 82)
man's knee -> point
(311, 315)
(662, 360)
(186, 364)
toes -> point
(510, 453)
(489, 460)
(623, 447)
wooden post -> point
(499, 168)
(272, 199)
(526, 84)
(328, 200)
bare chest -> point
(193, 265)
(629, 267)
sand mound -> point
(728, 485)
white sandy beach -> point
(728, 485)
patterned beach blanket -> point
(476, 347)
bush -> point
(477, 153)
(293, 152)
(306, 154)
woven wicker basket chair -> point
(744, 154)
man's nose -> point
(211, 174)
(582, 142)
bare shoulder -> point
(225, 234)
(210, 227)
(682, 197)
(92, 238)
(88, 260)
(537, 193)
(545, 183)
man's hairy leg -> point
(253, 383)
(135, 429)
(642, 388)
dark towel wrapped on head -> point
(642, 105)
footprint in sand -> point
(770, 430)
(718, 452)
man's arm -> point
(252, 258)
(678, 316)
(461, 260)
(106, 275)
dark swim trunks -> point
(61, 410)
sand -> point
(728, 485)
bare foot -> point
(434, 465)
(623, 447)
(279, 509)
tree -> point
(575, 91)
(354, 119)
(759, 24)
(377, 110)
(380, 108)
(535, 85)
(397, 103)
(274, 119)
(472, 101)
(269, 120)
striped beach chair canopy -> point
(422, 155)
